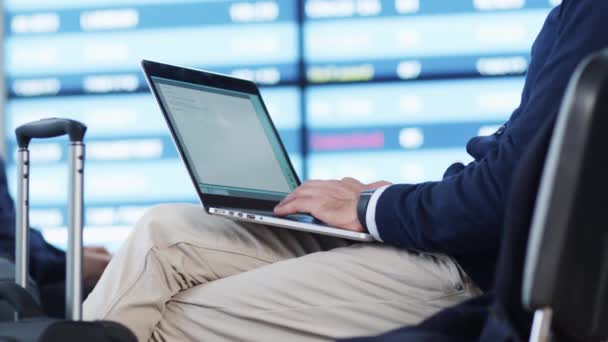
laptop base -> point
(297, 222)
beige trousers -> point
(184, 275)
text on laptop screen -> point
(227, 139)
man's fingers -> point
(301, 194)
(306, 188)
(288, 198)
(313, 182)
(351, 181)
(296, 193)
(300, 205)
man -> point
(184, 275)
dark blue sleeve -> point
(47, 263)
(462, 214)
(7, 217)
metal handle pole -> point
(75, 216)
(22, 218)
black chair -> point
(566, 269)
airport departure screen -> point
(372, 89)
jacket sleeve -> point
(462, 214)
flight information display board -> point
(374, 89)
(396, 88)
(402, 131)
(366, 40)
(80, 59)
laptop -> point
(230, 147)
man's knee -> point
(162, 224)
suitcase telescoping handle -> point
(48, 128)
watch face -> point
(362, 204)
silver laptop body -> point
(230, 146)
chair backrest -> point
(566, 269)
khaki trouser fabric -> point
(184, 275)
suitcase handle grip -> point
(49, 128)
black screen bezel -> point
(209, 79)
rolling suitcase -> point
(30, 324)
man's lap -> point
(186, 274)
(174, 247)
(361, 289)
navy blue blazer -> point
(47, 263)
(497, 315)
(462, 214)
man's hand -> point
(333, 202)
(95, 260)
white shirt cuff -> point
(370, 215)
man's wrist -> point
(370, 216)
(362, 204)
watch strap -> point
(362, 205)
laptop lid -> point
(224, 135)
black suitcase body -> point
(7, 276)
(29, 323)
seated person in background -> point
(47, 263)
(184, 275)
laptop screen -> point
(228, 140)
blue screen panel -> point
(395, 166)
(347, 41)
(372, 89)
(402, 132)
(75, 49)
(423, 102)
(129, 157)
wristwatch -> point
(362, 205)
